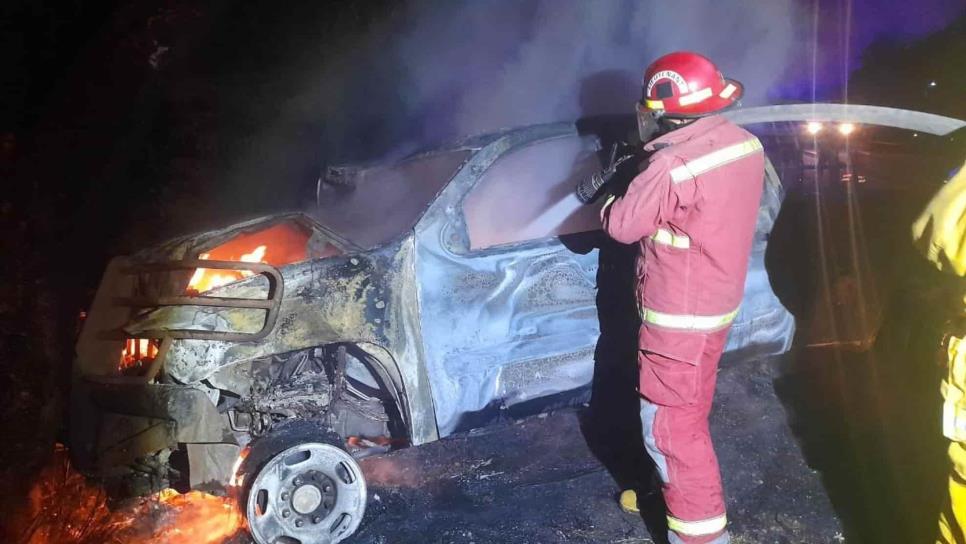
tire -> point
(301, 486)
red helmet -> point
(686, 84)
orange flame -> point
(65, 508)
(277, 245)
(137, 352)
(205, 279)
(196, 518)
(236, 478)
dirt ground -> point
(537, 480)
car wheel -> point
(310, 493)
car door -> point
(507, 282)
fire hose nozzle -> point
(588, 189)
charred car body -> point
(410, 302)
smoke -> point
(431, 71)
(439, 69)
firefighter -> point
(692, 213)
(941, 232)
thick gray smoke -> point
(552, 53)
(441, 68)
(436, 70)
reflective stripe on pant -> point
(676, 401)
(952, 520)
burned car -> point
(408, 302)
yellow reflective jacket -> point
(941, 228)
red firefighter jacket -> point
(692, 212)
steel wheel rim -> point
(312, 493)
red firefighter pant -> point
(678, 371)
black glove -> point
(589, 189)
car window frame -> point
(455, 223)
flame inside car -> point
(278, 245)
(137, 353)
(205, 280)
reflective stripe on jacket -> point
(693, 212)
